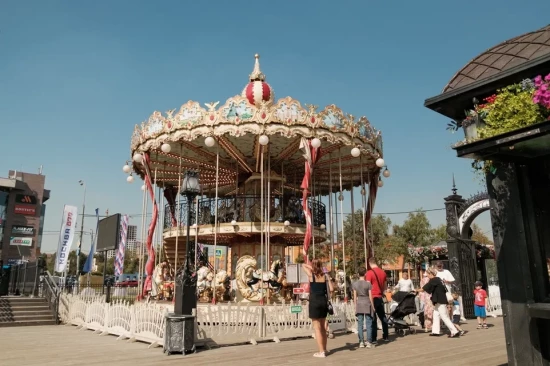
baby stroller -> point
(405, 306)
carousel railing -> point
(246, 208)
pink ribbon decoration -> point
(311, 155)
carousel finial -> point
(257, 74)
(454, 185)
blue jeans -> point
(380, 313)
(368, 319)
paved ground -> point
(65, 345)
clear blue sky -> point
(76, 76)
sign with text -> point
(298, 290)
(295, 309)
(25, 210)
(66, 237)
(25, 199)
(22, 230)
(25, 242)
(218, 253)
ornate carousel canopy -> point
(190, 138)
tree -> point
(479, 236)
(416, 230)
(439, 233)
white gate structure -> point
(229, 323)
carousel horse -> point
(204, 284)
(271, 277)
(222, 286)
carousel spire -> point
(454, 185)
(257, 74)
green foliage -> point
(513, 108)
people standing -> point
(377, 277)
(428, 307)
(480, 305)
(437, 289)
(405, 284)
(320, 289)
(362, 296)
(456, 313)
(445, 275)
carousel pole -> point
(262, 224)
(216, 224)
(354, 255)
(314, 209)
(331, 221)
(363, 208)
(155, 234)
(268, 237)
(140, 282)
(197, 226)
(341, 198)
(178, 219)
(143, 244)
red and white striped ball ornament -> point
(258, 91)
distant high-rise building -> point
(131, 242)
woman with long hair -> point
(318, 303)
(428, 305)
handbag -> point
(330, 309)
(448, 295)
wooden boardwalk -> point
(65, 345)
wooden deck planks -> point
(65, 345)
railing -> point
(50, 291)
(246, 209)
(24, 279)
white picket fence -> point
(229, 323)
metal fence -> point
(110, 293)
(25, 279)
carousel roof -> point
(237, 125)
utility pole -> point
(83, 184)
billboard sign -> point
(24, 242)
(22, 230)
(25, 210)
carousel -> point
(253, 176)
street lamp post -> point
(179, 332)
(186, 282)
(83, 184)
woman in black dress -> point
(318, 300)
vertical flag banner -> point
(66, 237)
(119, 259)
(90, 260)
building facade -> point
(22, 211)
(131, 242)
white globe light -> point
(143, 187)
(380, 162)
(194, 225)
(209, 141)
(233, 222)
(263, 140)
(386, 173)
(323, 226)
(126, 168)
(166, 148)
(287, 223)
(138, 158)
(130, 179)
(380, 183)
(316, 143)
(355, 152)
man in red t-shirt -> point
(377, 277)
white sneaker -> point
(319, 354)
(361, 345)
(370, 345)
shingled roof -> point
(503, 56)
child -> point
(480, 305)
(456, 314)
(362, 296)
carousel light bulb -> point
(380, 162)
(194, 226)
(386, 173)
(323, 226)
(341, 197)
(287, 223)
(316, 143)
(138, 158)
(209, 141)
(166, 148)
(363, 191)
(130, 179)
(355, 152)
(127, 169)
(380, 183)
(143, 187)
(263, 140)
(233, 223)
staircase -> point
(22, 311)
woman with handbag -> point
(438, 290)
(320, 306)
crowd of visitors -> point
(435, 302)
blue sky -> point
(76, 76)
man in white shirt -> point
(445, 275)
(405, 284)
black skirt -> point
(318, 306)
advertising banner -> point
(22, 230)
(66, 237)
(26, 210)
(25, 242)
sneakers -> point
(386, 339)
(371, 345)
(361, 345)
(320, 355)
(461, 332)
(485, 326)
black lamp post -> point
(179, 334)
(186, 282)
